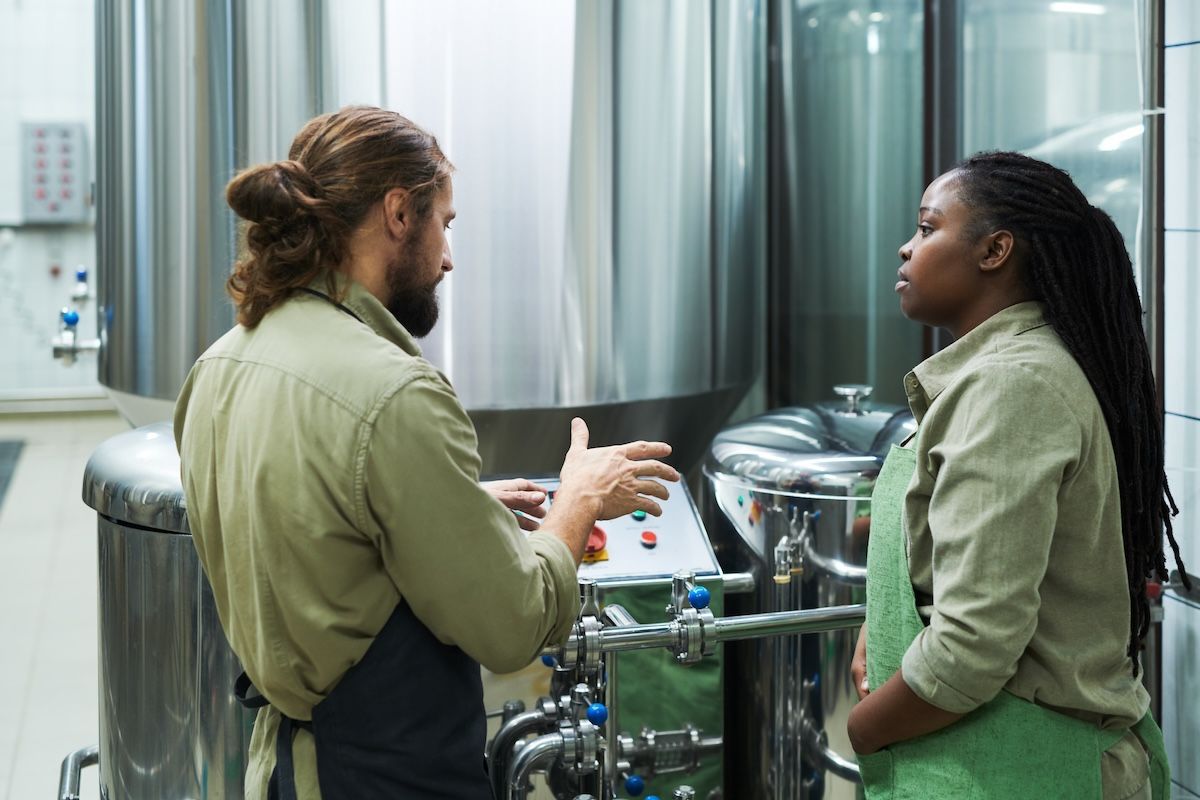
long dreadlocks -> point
(1077, 265)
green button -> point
(639, 515)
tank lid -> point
(133, 478)
(831, 448)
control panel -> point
(640, 546)
(54, 181)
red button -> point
(649, 539)
(597, 539)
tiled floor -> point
(48, 603)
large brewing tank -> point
(794, 487)
(170, 726)
(610, 188)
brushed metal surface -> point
(170, 726)
(787, 698)
(629, 274)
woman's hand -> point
(858, 664)
(520, 495)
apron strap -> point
(282, 784)
(241, 690)
(283, 777)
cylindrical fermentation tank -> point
(610, 189)
(169, 724)
(794, 486)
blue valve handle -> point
(548, 661)
(597, 714)
(699, 597)
(70, 317)
(651, 797)
(635, 785)
(81, 275)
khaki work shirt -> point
(329, 472)
(1014, 537)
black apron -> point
(405, 722)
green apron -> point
(1007, 748)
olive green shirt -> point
(329, 472)
(1013, 530)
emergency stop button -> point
(649, 539)
(597, 540)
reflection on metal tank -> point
(610, 242)
(169, 724)
(794, 486)
(849, 177)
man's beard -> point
(414, 307)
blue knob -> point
(635, 785)
(597, 714)
(548, 661)
(81, 275)
(651, 797)
(70, 317)
(699, 597)
(816, 515)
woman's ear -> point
(998, 250)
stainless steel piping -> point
(507, 737)
(816, 620)
(617, 615)
(68, 782)
(540, 750)
(616, 639)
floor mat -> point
(9, 453)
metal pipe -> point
(532, 755)
(737, 582)
(638, 637)
(824, 756)
(849, 574)
(816, 620)
(617, 615)
(618, 639)
(709, 745)
(72, 765)
(501, 747)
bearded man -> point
(361, 572)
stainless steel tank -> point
(794, 487)
(169, 724)
(610, 240)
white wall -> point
(47, 73)
(1181, 634)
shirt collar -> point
(934, 374)
(365, 307)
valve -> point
(81, 291)
(699, 597)
(69, 317)
(597, 714)
(549, 661)
(685, 793)
(635, 785)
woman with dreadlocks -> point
(1012, 538)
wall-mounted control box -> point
(55, 178)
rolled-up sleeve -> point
(995, 448)
(456, 553)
